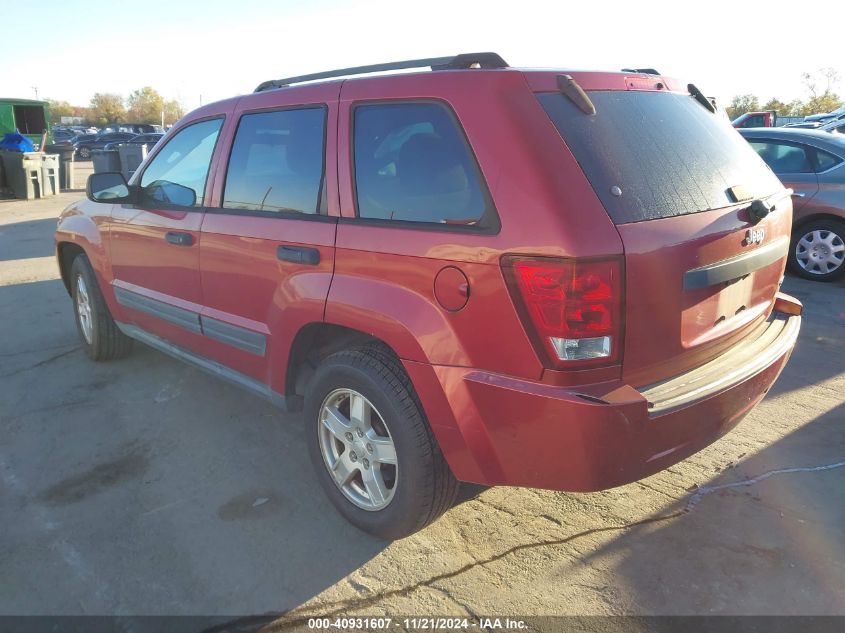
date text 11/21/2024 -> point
(416, 623)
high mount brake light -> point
(574, 307)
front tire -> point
(817, 250)
(101, 338)
(372, 447)
(84, 153)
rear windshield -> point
(652, 155)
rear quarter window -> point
(826, 161)
(413, 164)
(651, 155)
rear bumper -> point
(499, 430)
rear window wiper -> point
(569, 88)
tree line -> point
(821, 97)
(144, 105)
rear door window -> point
(793, 158)
(652, 155)
(784, 158)
(277, 162)
(413, 164)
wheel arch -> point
(314, 342)
(356, 311)
(66, 252)
(820, 215)
(78, 233)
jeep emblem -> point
(754, 236)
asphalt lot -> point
(147, 487)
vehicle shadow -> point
(23, 240)
(761, 538)
(821, 343)
(154, 488)
(773, 546)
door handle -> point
(798, 194)
(298, 255)
(179, 239)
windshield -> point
(651, 155)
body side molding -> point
(200, 362)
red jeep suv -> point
(559, 279)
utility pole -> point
(36, 92)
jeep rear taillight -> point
(574, 307)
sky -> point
(200, 51)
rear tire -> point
(84, 153)
(414, 492)
(817, 250)
(101, 338)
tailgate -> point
(695, 286)
(677, 181)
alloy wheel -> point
(357, 449)
(83, 310)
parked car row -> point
(87, 139)
(142, 139)
(833, 125)
(62, 135)
(770, 118)
(84, 144)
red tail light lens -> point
(575, 307)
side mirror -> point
(170, 193)
(108, 187)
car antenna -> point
(569, 88)
(699, 96)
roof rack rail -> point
(464, 60)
